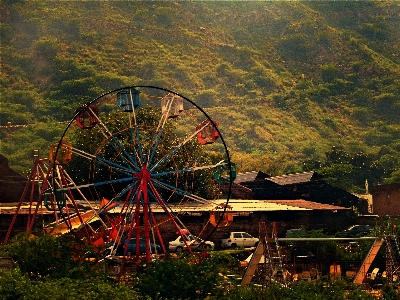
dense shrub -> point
(48, 256)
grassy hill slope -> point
(287, 81)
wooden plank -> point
(253, 264)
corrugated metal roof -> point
(309, 204)
(245, 177)
(292, 178)
(251, 176)
(281, 180)
(235, 205)
(239, 205)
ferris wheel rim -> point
(186, 99)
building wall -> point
(198, 224)
(12, 184)
(386, 200)
(329, 221)
(316, 191)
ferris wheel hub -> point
(144, 174)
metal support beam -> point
(358, 279)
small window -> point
(226, 236)
(246, 235)
(237, 235)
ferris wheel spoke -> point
(126, 157)
(159, 131)
(153, 148)
(138, 155)
(117, 146)
(173, 216)
(176, 149)
(126, 215)
(158, 199)
(114, 200)
(101, 161)
(192, 169)
(181, 192)
(164, 204)
(95, 184)
(84, 198)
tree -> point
(185, 278)
(350, 170)
(94, 142)
(394, 177)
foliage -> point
(351, 171)
(395, 177)
(319, 73)
(181, 279)
(52, 257)
(389, 292)
(29, 138)
(319, 290)
(16, 285)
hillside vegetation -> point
(295, 86)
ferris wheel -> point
(142, 155)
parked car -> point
(154, 248)
(358, 230)
(238, 239)
(178, 245)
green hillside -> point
(287, 81)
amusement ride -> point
(125, 155)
